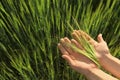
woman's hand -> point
(80, 63)
(77, 61)
(100, 46)
(106, 60)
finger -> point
(100, 38)
(62, 41)
(84, 35)
(68, 47)
(62, 49)
(67, 40)
(68, 59)
(74, 42)
(76, 54)
(90, 40)
(76, 36)
(78, 33)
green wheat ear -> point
(88, 51)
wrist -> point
(90, 72)
(97, 74)
(103, 58)
(93, 74)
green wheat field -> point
(31, 29)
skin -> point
(80, 63)
(100, 45)
(106, 60)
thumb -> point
(100, 38)
(68, 59)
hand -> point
(77, 61)
(100, 46)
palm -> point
(77, 61)
(100, 46)
(81, 63)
